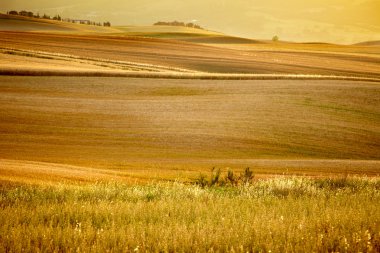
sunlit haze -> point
(338, 21)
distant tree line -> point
(176, 23)
(58, 18)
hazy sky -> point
(340, 21)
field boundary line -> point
(176, 75)
(111, 64)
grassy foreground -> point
(276, 215)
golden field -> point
(179, 48)
(258, 59)
(183, 126)
(108, 137)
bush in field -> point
(230, 178)
(201, 181)
(215, 175)
(245, 178)
(57, 17)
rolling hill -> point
(191, 56)
(27, 24)
(148, 128)
(160, 128)
(375, 43)
(172, 48)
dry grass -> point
(279, 215)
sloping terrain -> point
(27, 24)
(38, 61)
(375, 43)
(199, 36)
(34, 172)
(176, 128)
(162, 29)
(196, 57)
(318, 123)
(183, 48)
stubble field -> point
(150, 127)
(269, 58)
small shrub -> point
(247, 176)
(335, 183)
(201, 181)
(230, 178)
(149, 197)
(215, 175)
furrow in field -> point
(166, 128)
(195, 57)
